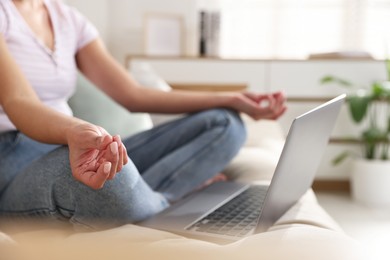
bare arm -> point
(17, 97)
(98, 65)
(95, 156)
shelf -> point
(208, 87)
(308, 99)
(131, 57)
(340, 140)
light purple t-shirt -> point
(52, 74)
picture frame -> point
(163, 34)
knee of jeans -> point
(129, 175)
(235, 128)
(125, 199)
(120, 187)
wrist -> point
(73, 128)
(231, 100)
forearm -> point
(99, 66)
(155, 101)
(119, 84)
(40, 122)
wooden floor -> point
(332, 185)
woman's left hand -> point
(261, 106)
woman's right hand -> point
(95, 156)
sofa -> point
(305, 231)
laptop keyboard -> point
(237, 217)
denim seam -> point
(64, 209)
(35, 210)
(38, 212)
(77, 222)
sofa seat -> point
(306, 231)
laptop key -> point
(236, 217)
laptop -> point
(228, 211)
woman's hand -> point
(95, 156)
(260, 106)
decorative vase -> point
(370, 182)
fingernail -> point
(107, 168)
(114, 147)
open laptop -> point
(227, 211)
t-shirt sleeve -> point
(86, 32)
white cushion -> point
(263, 133)
(260, 154)
(90, 104)
(145, 75)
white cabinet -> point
(299, 79)
(302, 78)
(208, 71)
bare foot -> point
(216, 178)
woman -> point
(55, 166)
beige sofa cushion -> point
(260, 154)
(305, 232)
(300, 242)
(5, 239)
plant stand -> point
(370, 182)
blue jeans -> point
(166, 163)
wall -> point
(96, 11)
(126, 23)
(120, 22)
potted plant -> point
(369, 108)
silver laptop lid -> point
(302, 153)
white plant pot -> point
(370, 182)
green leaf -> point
(370, 151)
(388, 125)
(378, 89)
(386, 88)
(344, 82)
(341, 157)
(373, 135)
(332, 79)
(327, 79)
(358, 105)
(381, 89)
(385, 152)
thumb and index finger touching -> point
(98, 139)
(96, 180)
(269, 106)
